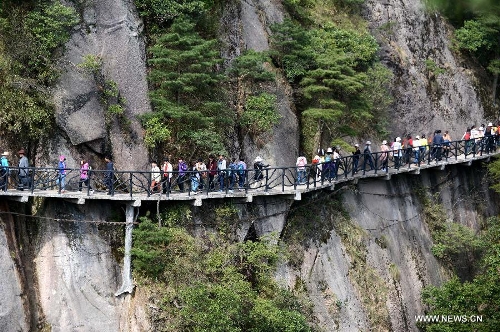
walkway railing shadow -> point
(276, 179)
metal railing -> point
(134, 183)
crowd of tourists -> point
(229, 174)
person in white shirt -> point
(155, 177)
(301, 169)
(396, 147)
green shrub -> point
(260, 113)
(207, 283)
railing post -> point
(31, 177)
(130, 183)
(267, 179)
(58, 182)
(246, 180)
(295, 179)
(283, 179)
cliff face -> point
(111, 32)
(434, 88)
(364, 269)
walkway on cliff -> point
(135, 186)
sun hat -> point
(384, 142)
(417, 137)
(5, 153)
(368, 143)
(258, 159)
(356, 145)
(398, 139)
(329, 150)
(490, 124)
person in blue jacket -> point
(4, 171)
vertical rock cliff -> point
(111, 32)
(434, 88)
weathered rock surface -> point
(112, 31)
(416, 47)
(13, 316)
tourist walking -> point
(61, 174)
(384, 156)
(202, 169)
(397, 153)
(155, 177)
(109, 175)
(181, 178)
(258, 167)
(242, 173)
(167, 170)
(4, 171)
(195, 178)
(367, 156)
(212, 171)
(23, 170)
(355, 159)
(301, 169)
(84, 175)
(221, 172)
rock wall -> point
(386, 226)
(112, 31)
(415, 45)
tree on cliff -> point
(185, 91)
(30, 34)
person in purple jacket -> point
(181, 179)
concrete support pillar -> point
(127, 284)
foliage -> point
(337, 79)
(33, 33)
(494, 172)
(161, 11)
(250, 66)
(156, 132)
(210, 284)
(92, 64)
(453, 243)
(260, 113)
(434, 68)
(291, 49)
(480, 296)
(48, 28)
(475, 35)
(186, 89)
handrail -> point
(133, 182)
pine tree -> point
(185, 87)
